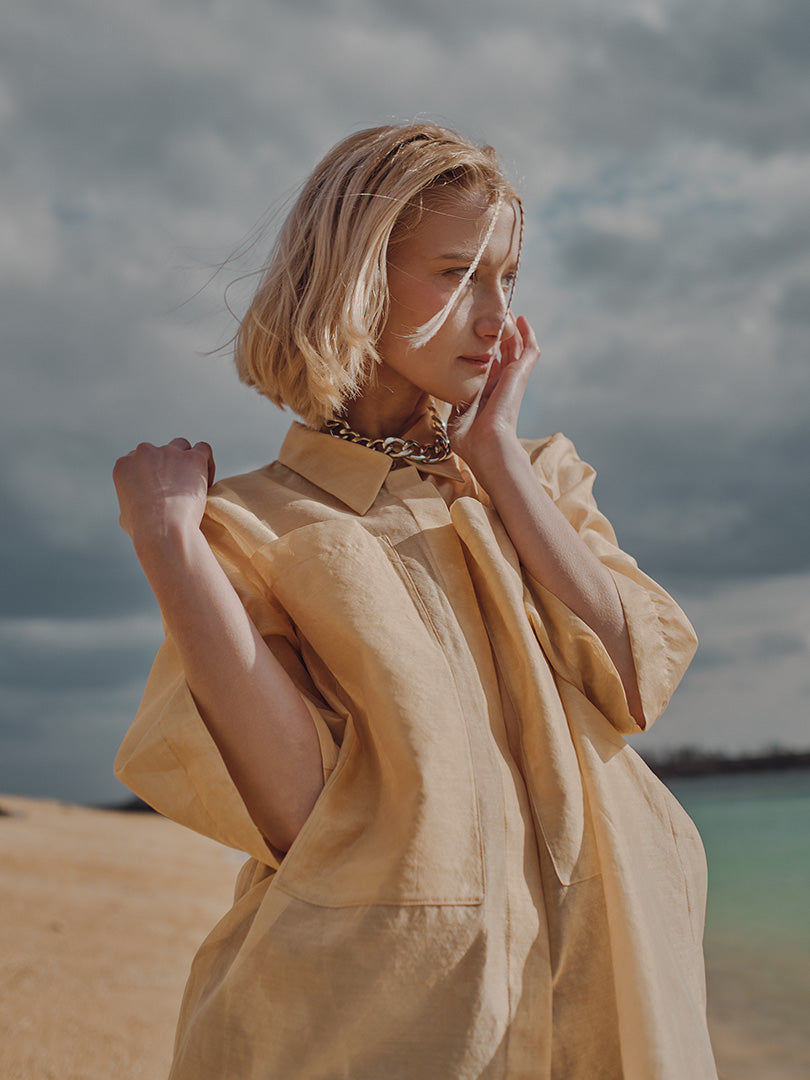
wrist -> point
(165, 542)
(498, 456)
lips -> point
(483, 360)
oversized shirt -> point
(492, 885)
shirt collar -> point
(352, 473)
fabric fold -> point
(662, 640)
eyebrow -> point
(465, 257)
(455, 256)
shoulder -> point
(548, 448)
(241, 509)
(557, 463)
(243, 488)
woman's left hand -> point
(482, 431)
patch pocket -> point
(397, 822)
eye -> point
(457, 271)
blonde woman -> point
(399, 666)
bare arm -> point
(547, 545)
(247, 701)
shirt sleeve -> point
(662, 639)
(168, 757)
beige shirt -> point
(492, 884)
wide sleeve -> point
(662, 639)
(168, 757)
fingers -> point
(492, 416)
(511, 347)
(522, 345)
(508, 378)
(157, 485)
(181, 443)
(144, 451)
(517, 364)
(204, 448)
(528, 337)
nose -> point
(495, 319)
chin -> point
(463, 399)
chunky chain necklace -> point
(400, 448)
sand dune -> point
(100, 915)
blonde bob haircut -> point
(308, 338)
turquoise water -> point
(756, 830)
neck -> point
(379, 414)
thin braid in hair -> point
(427, 332)
(522, 218)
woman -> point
(399, 665)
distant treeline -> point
(691, 762)
(131, 804)
(684, 762)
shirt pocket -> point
(397, 821)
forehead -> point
(455, 226)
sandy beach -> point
(101, 913)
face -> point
(424, 270)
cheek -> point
(416, 302)
(460, 316)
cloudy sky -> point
(663, 149)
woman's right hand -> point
(163, 488)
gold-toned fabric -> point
(492, 884)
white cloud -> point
(29, 246)
(80, 634)
(624, 221)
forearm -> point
(553, 553)
(251, 707)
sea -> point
(756, 831)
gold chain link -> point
(400, 448)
